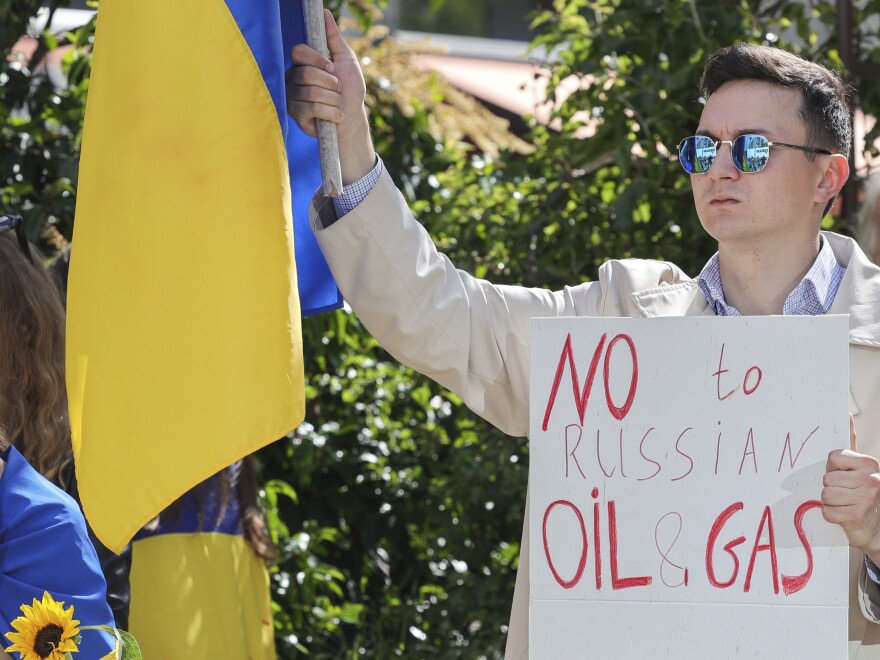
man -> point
(767, 160)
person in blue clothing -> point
(199, 581)
(33, 395)
(44, 542)
(44, 547)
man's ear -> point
(835, 175)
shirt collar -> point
(813, 295)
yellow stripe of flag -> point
(184, 344)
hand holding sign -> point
(851, 495)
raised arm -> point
(467, 334)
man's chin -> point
(725, 226)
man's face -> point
(756, 209)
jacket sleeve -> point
(465, 333)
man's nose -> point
(723, 167)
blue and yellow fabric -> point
(198, 590)
(44, 546)
(184, 300)
(271, 28)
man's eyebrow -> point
(743, 131)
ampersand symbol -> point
(665, 554)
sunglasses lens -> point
(696, 154)
(750, 153)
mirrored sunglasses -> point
(750, 153)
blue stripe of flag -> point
(271, 28)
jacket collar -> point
(859, 293)
(858, 296)
(683, 299)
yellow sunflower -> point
(46, 630)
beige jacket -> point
(473, 338)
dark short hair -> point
(825, 105)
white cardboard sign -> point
(675, 470)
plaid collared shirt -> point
(811, 297)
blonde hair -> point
(869, 224)
(33, 397)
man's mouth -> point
(723, 200)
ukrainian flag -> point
(184, 348)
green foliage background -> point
(396, 510)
